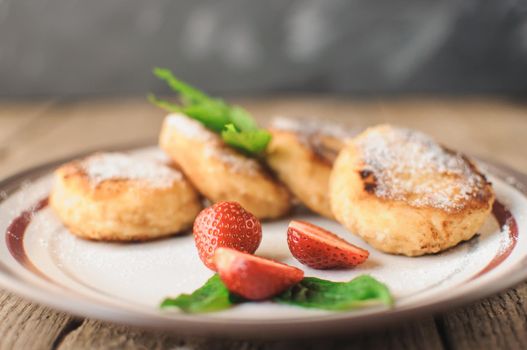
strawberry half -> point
(320, 249)
(253, 277)
(225, 224)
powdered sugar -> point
(111, 166)
(323, 138)
(409, 165)
(190, 127)
(214, 146)
(235, 162)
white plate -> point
(125, 282)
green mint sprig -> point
(236, 126)
(212, 296)
(311, 292)
(317, 293)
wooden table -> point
(32, 133)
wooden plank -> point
(24, 325)
(100, 335)
(419, 334)
(69, 128)
(499, 322)
(14, 116)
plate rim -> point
(332, 323)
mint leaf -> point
(215, 114)
(241, 119)
(189, 93)
(164, 104)
(311, 292)
(212, 296)
(210, 116)
(254, 141)
(317, 293)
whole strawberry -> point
(225, 224)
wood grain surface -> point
(33, 133)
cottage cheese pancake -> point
(118, 197)
(219, 172)
(405, 194)
(302, 153)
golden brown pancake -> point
(405, 194)
(117, 197)
(302, 153)
(219, 172)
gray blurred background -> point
(73, 48)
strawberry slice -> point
(320, 249)
(253, 277)
(225, 224)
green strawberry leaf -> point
(317, 293)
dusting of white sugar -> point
(409, 165)
(190, 127)
(214, 146)
(119, 166)
(323, 138)
(236, 162)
